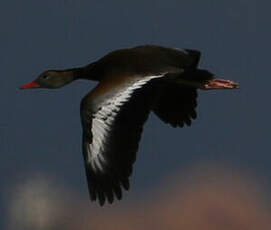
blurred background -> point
(215, 174)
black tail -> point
(197, 75)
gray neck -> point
(74, 73)
(86, 72)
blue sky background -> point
(40, 131)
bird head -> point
(50, 79)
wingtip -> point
(101, 198)
(118, 192)
(125, 183)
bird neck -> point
(86, 72)
(72, 74)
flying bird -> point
(131, 83)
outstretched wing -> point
(176, 104)
(112, 127)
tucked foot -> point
(220, 84)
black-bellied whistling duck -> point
(132, 83)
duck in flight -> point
(131, 83)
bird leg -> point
(219, 84)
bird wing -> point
(176, 104)
(181, 58)
(112, 126)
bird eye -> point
(45, 76)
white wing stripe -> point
(104, 118)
